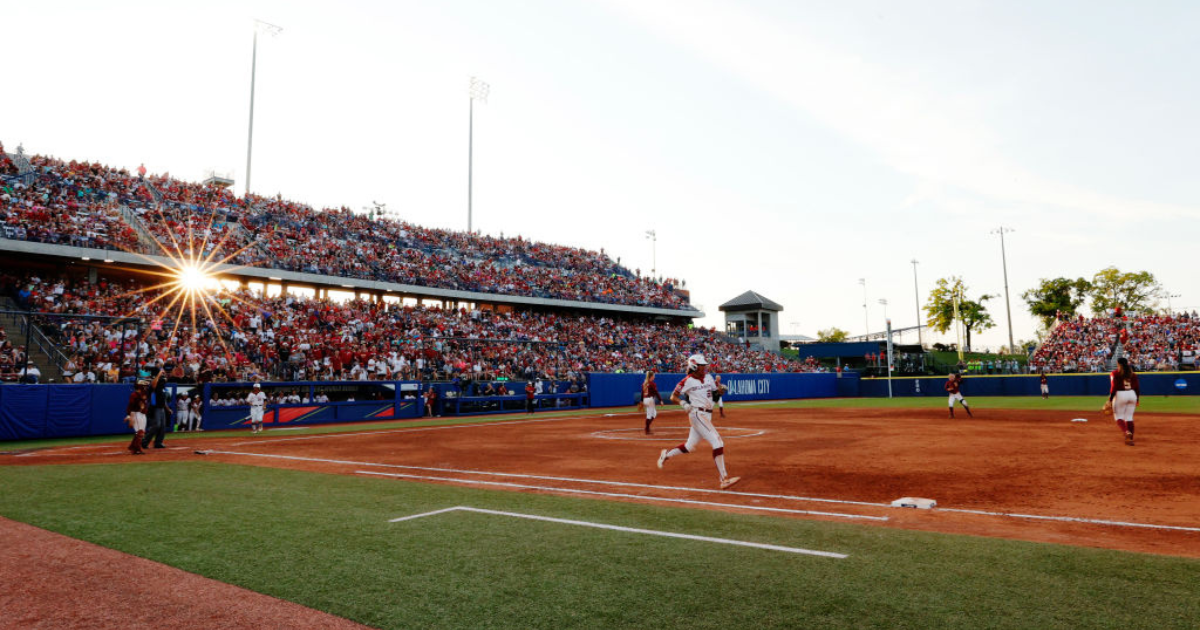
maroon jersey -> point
(1117, 383)
(649, 390)
(137, 401)
(1043, 379)
(952, 385)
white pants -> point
(256, 415)
(651, 411)
(181, 419)
(1045, 389)
(702, 429)
(958, 397)
(139, 421)
(1123, 405)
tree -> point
(939, 310)
(1060, 295)
(832, 335)
(1132, 292)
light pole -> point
(477, 92)
(1004, 259)
(866, 319)
(1170, 309)
(883, 303)
(653, 236)
(917, 296)
(272, 30)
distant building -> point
(754, 319)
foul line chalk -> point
(1070, 519)
(631, 530)
(522, 486)
(627, 484)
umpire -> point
(156, 428)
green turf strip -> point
(324, 541)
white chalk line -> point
(723, 492)
(469, 425)
(629, 484)
(521, 486)
(631, 530)
(651, 438)
(1071, 519)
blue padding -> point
(69, 410)
(619, 390)
(1060, 385)
(23, 412)
(108, 409)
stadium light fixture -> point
(478, 91)
(917, 295)
(883, 303)
(653, 236)
(272, 30)
(1171, 309)
(866, 317)
(1004, 260)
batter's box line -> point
(631, 530)
(620, 495)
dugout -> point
(868, 357)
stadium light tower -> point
(1004, 259)
(866, 319)
(272, 30)
(477, 92)
(883, 303)
(1170, 309)
(917, 295)
(653, 236)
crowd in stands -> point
(11, 359)
(1151, 342)
(77, 203)
(72, 203)
(241, 336)
(1157, 342)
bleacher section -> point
(242, 336)
(1151, 342)
(96, 206)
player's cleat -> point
(662, 457)
(1129, 438)
(728, 482)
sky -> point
(789, 148)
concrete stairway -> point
(43, 353)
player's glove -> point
(1107, 406)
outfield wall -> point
(620, 390)
(1156, 384)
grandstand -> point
(1151, 342)
(81, 238)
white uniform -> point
(139, 421)
(257, 402)
(699, 395)
(182, 413)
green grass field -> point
(324, 541)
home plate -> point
(914, 502)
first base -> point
(914, 502)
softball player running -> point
(698, 388)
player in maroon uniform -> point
(650, 399)
(1124, 395)
(135, 415)
(1045, 386)
(954, 388)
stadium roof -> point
(751, 301)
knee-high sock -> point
(719, 460)
(1129, 426)
(1122, 426)
(678, 450)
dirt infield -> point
(1028, 475)
(44, 575)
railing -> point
(146, 239)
